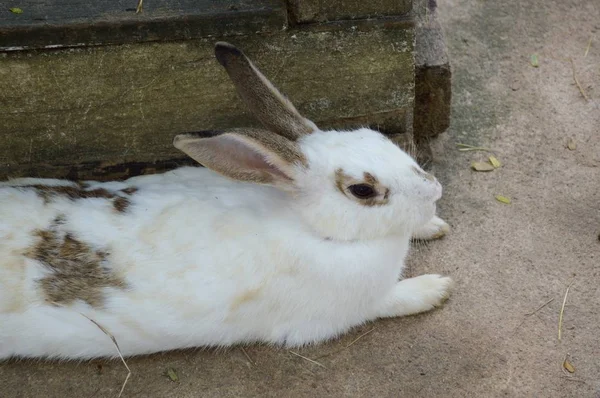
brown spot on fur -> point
(245, 297)
(77, 271)
(48, 193)
(121, 204)
(386, 196)
(130, 190)
(343, 181)
(370, 179)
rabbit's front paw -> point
(434, 229)
(431, 289)
(415, 295)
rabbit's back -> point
(142, 257)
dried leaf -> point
(534, 61)
(482, 166)
(172, 375)
(494, 161)
(503, 199)
(16, 10)
(571, 144)
(567, 365)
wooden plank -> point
(311, 11)
(57, 23)
(80, 111)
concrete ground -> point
(494, 337)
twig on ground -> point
(562, 311)
(540, 307)
(581, 90)
(359, 337)
(308, 359)
(247, 356)
(362, 335)
(534, 312)
(140, 4)
(571, 378)
(466, 148)
(106, 332)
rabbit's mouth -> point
(438, 195)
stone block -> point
(433, 89)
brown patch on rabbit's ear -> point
(77, 271)
(250, 155)
(381, 194)
(271, 107)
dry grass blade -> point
(540, 307)
(418, 244)
(562, 311)
(140, 4)
(581, 90)
(571, 378)
(473, 149)
(247, 356)
(106, 332)
(466, 148)
(308, 359)
(534, 312)
(359, 337)
(587, 50)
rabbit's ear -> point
(250, 155)
(272, 108)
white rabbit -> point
(289, 236)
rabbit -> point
(288, 236)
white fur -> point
(213, 262)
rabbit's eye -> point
(362, 191)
